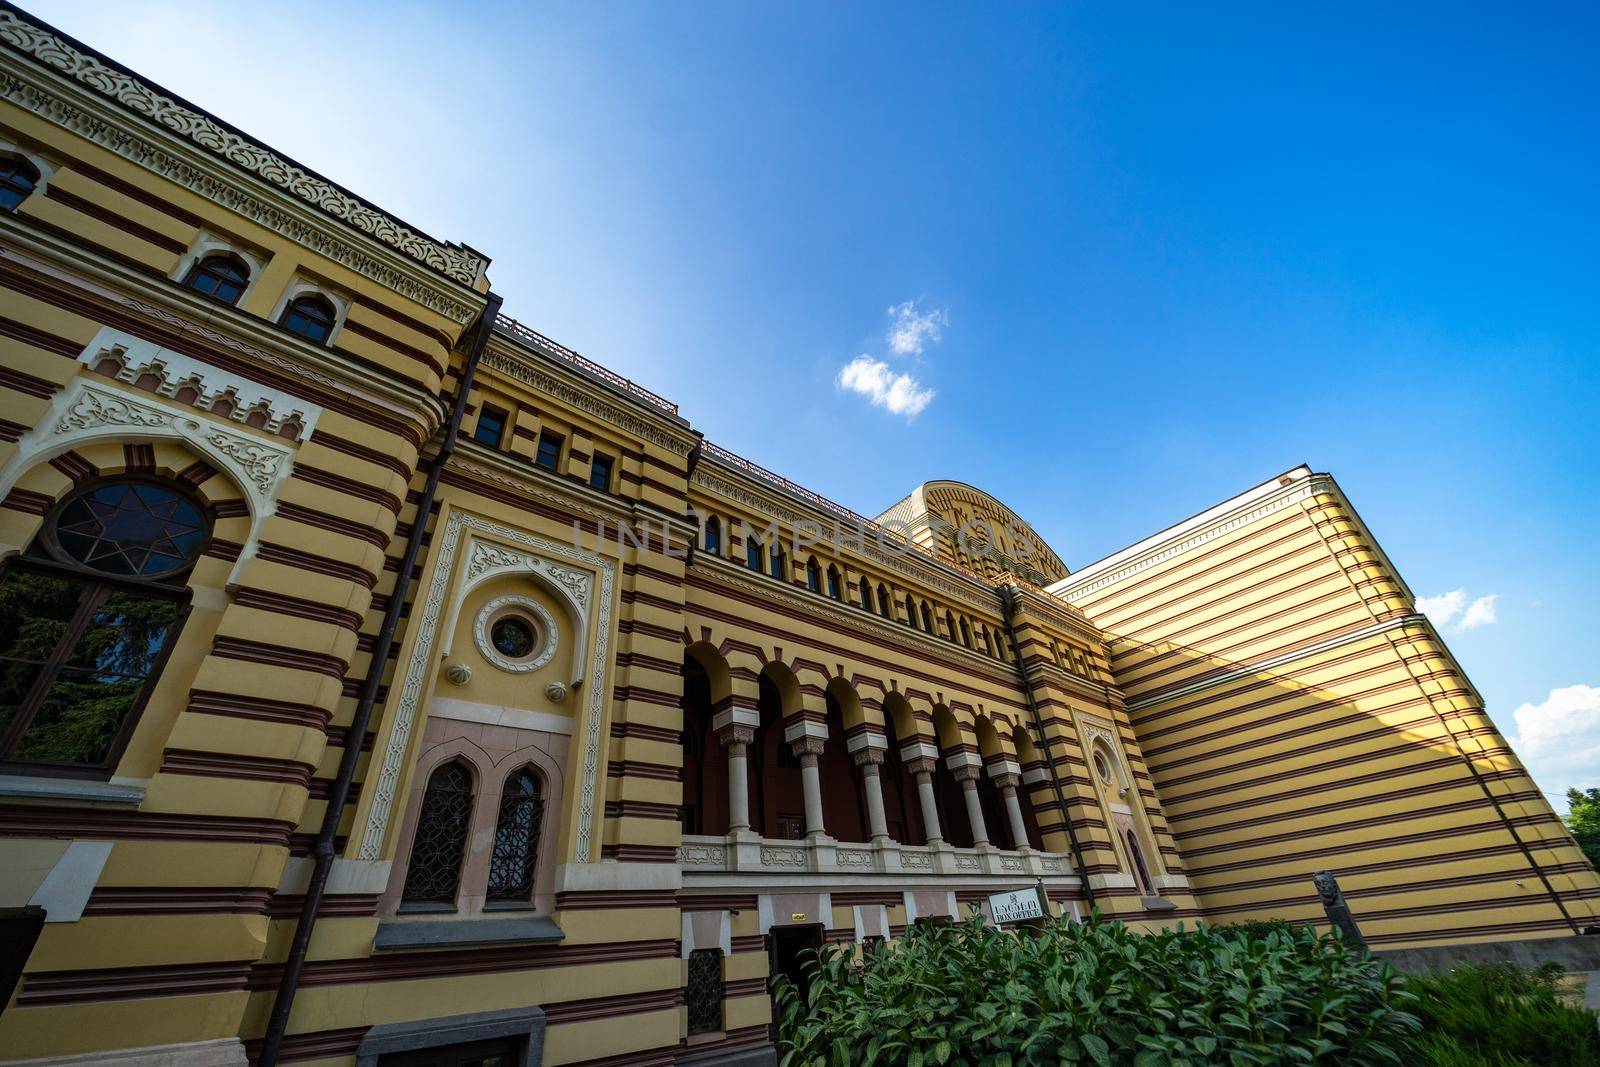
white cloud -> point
(1444, 607)
(1559, 740)
(911, 330)
(874, 379)
(1480, 612)
(1452, 607)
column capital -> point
(920, 765)
(734, 715)
(808, 745)
(736, 734)
(967, 775)
(867, 757)
(1005, 781)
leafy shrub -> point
(1502, 1016)
(1096, 993)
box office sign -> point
(1017, 906)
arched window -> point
(911, 611)
(713, 536)
(988, 643)
(221, 276)
(779, 563)
(927, 617)
(87, 616)
(884, 607)
(18, 178)
(813, 575)
(950, 627)
(966, 634)
(752, 553)
(516, 838)
(866, 594)
(434, 872)
(310, 316)
(834, 588)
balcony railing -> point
(555, 349)
(747, 853)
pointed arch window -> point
(221, 276)
(813, 575)
(516, 838)
(1136, 854)
(950, 627)
(966, 634)
(927, 617)
(884, 607)
(311, 316)
(752, 553)
(88, 615)
(779, 565)
(865, 590)
(713, 536)
(911, 612)
(835, 590)
(433, 874)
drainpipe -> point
(1008, 605)
(322, 851)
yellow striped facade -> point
(734, 750)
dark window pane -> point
(17, 179)
(516, 839)
(713, 536)
(125, 635)
(131, 529)
(17, 680)
(752, 554)
(491, 428)
(79, 718)
(549, 451)
(704, 995)
(35, 610)
(222, 277)
(434, 871)
(600, 472)
(310, 317)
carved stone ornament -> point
(431, 611)
(458, 673)
(967, 775)
(513, 604)
(736, 734)
(868, 757)
(199, 132)
(90, 410)
(556, 692)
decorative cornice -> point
(912, 563)
(666, 431)
(88, 96)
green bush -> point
(1096, 993)
(1501, 1016)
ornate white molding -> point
(135, 359)
(460, 527)
(89, 410)
(80, 93)
(481, 636)
(487, 560)
(586, 398)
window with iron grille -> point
(221, 276)
(704, 993)
(310, 316)
(434, 872)
(516, 839)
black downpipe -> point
(1008, 601)
(322, 851)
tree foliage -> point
(1584, 821)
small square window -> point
(491, 428)
(549, 455)
(600, 473)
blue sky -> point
(1165, 253)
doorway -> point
(789, 949)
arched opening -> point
(864, 589)
(705, 763)
(927, 617)
(995, 819)
(949, 627)
(1028, 757)
(835, 590)
(221, 276)
(813, 575)
(780, 564)
(779, 797)
(844, 804)
(1140, 873)
(911, 612)
(966, 634)
(884, 607)
(752, 553)
(948, 794)
(713, 536)
(311, 316)
(901, 806)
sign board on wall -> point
(1019, 905)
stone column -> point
(922, 768)
(1007, 783)
(968, 777)
(736, 729)
(808, 749)
(869, 759)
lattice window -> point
(704, 994)
(516, 838)
(1135, 853)
(437, 849)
